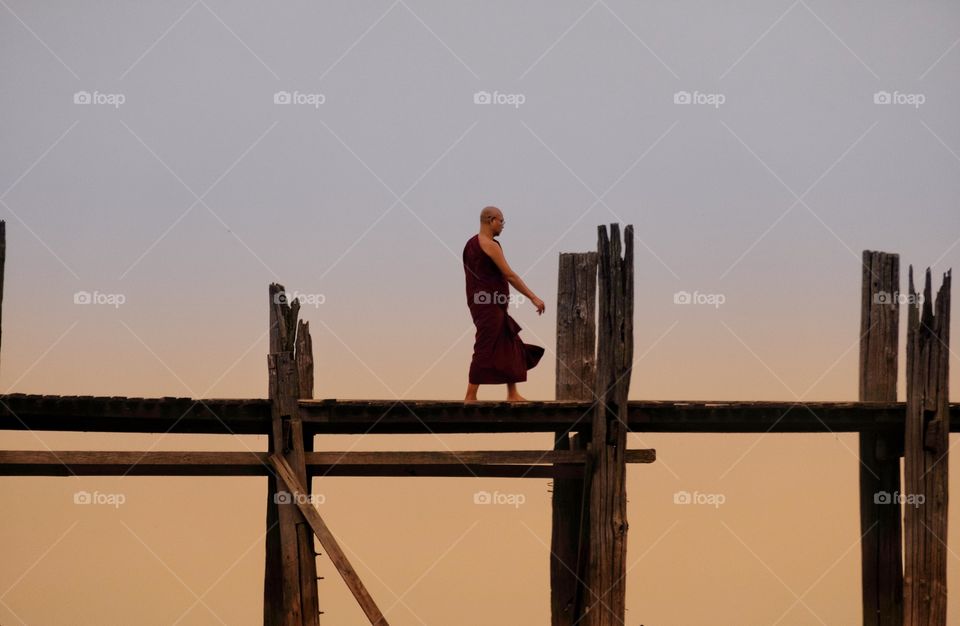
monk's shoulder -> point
(488, 244)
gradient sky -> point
(188, 198)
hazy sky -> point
(172, 159)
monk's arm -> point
(496, 254)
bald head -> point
(488, 212)
(491, 221)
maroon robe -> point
(499, 356)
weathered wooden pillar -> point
(576, 374)
(605, 597)
(290, 578)
(3, 263)
(880, 527)
(926, 442)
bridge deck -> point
(252, 416)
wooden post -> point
(926, 442)
(605, 601)
(576, 375)
(880, 527)
(3, 263)
(290, 578)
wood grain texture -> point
(926, 444)
(879, 469)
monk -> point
(499, 356)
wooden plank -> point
(576, 374)
(879, 469)
(332, 463)
(926, 444)
(604, 603)
(241, 416)
(455, 470)
(393, 416)
(328, 541)
(252, 416)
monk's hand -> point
(540, 306)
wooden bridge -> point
(589, 419)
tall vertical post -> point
(605, 597)
(576, 375)
(926, 442)
(3, 263)
(880, 527)
(290, 578)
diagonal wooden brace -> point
(327, 540)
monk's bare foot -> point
(516, 398)
(470, 400)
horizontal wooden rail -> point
(389, 463)
(252, 416)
